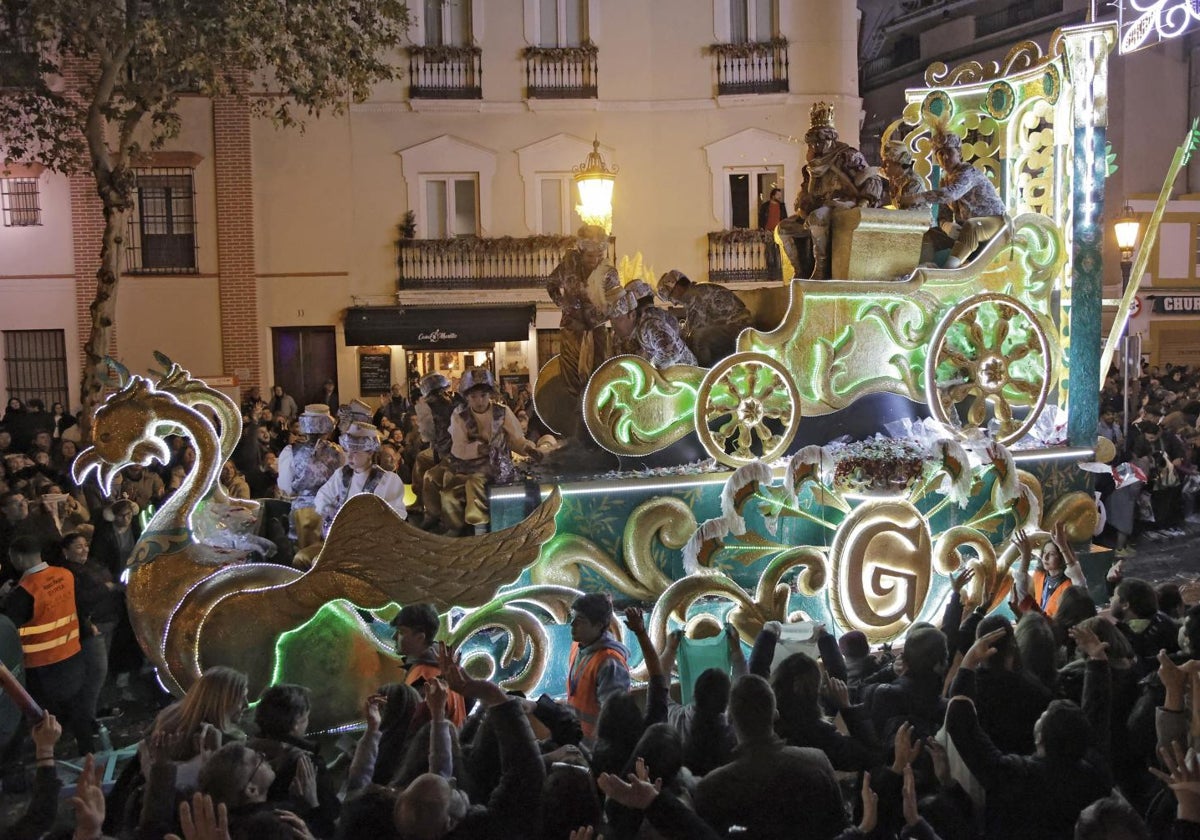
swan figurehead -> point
(124, 435)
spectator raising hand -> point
(88, 802)
(200, 821)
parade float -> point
(966, 409)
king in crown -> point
(836, 175)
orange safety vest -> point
(456, 706)
(581, 684)
(1039, 585)
(52, 634)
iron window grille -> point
(36, 365)
(162, 227)
(19, 197)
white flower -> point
(1006, 472)
(956, 465)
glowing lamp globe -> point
(1127, 229)
(595, 181)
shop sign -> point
(1176, 305)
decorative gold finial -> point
(821, 115)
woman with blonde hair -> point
(214, 702)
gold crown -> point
(821, 115)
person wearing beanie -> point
(360, 475)
(856, 650)
(484, 434)
(416, 631)
(599, 665)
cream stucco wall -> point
(328, 200)
(41, 303)
(45, 249)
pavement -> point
(1167, 557)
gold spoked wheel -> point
(747, 409)
(990, 352)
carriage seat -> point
(876, 244)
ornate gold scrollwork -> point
(881, 568)
(632, 408)
(512, 614)
(665, 518)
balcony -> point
(1015, 15)
(740, 256)
(445, 72)
(751, 67)
(561, 72)
(476, 263)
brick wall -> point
(87, 228)
(235, 240)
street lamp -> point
(595, 183)
(1127, 227)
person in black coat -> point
(798, 691)
(1040, 796)
(1008, 701)
(434, 807)
(1134, 605)
(916, 696)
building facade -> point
(416, 231)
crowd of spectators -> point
(1077, 725)
(1076, 721)
(1156, 478)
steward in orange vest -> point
(599, 665)
(43, 607)
(52, 632)
(1060, 569)
(1049, 597)
(416, 626)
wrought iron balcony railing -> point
(561, 72)
(472, 262)
(752, 67)
(742, 255)
(445, 72)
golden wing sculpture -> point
(371, 558)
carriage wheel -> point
(990, 351)
(747, 409)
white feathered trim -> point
(805, 464)
(739, 487)
(1006, 472)
(956, 465)
(703, 543)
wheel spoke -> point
(1002, 327)
(1002, 409)
(958, 393)
(1020, 351)
(978, 411)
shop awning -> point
(438, 327)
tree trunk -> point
(104, 305)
